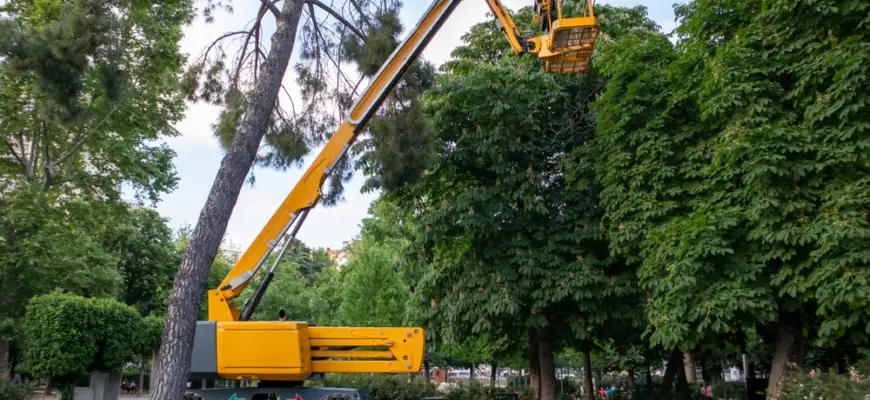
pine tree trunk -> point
(183, 310)
(587, 374)
(549, 386)
(789, 351)
(689, 366)
(534, 365)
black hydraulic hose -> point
(261, 290)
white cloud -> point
(199, 155)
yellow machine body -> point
(293, 351)
(231, 346)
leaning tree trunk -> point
(587, 374)
(173, 360)
(789, 351)
(534, 365)
(549, 386)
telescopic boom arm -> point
(230, 346)
(575, 46)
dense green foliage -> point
(67, 336)
(373, 293)
(8, 391)
(735, 166)
(88, 92)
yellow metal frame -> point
(293, 351)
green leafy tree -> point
(289, 291)
(511, 247)
(68, 336)
(147, 258)
(732, 164)
(372, 291)
(87, 91)
(43, 248)
(511, 228)
(327, 288)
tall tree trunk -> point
(549, 386)
(689, 366)
(174, 355)
(140, 390)
(649, 381)
(534, 365)
(682, 380)
(493, 374)
(471, 372)
(587, 374)
(427, 368)
(631, 383)
(48, 386)
(789, 351)
(675, 363)
(715, 372)
(153, 371)
(5, 371)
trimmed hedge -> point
(67, 336)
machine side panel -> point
(203, 363)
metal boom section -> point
(566, 47)
(307, 192)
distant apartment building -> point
(231, 250)
(338, 256)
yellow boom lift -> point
(281, 354)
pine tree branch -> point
(243, 56)
(271, 6)
(338, 16)
(215, 42)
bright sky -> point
(198, 154)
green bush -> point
(132, 375)
(474, 390)
(67, 336)
(800, 386)
(8, 391)
(381, 387)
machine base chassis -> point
(267, 393)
